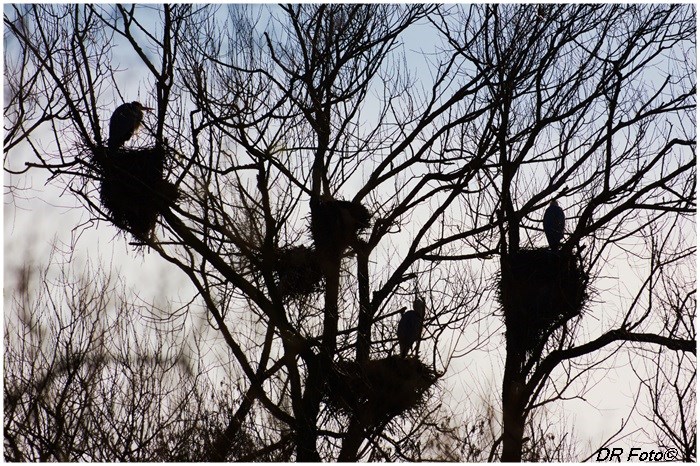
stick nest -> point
(298, 271)
(379, 389)
(540, 291)
(133, 189)
(335, 225)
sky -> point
(40, 216)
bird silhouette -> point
(124, 122)
(411, 326)
(553, 223)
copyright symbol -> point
(670, 454)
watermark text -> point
(637, 454)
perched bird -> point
(124, 122)
(411, 326)
(554, 225)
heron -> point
(554, 224)
(125, 120)
(411, 326)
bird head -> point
(419, 305)
(554, 202)
(140, 106)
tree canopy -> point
(313, 169)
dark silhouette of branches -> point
(318, 167)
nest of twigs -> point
(540, 291)
(133, 189)
(379, 389)
(298, 271)
(335, 225)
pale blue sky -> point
(42, 214)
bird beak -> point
(147, 108)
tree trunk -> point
(513, 419)
(352, 441)
(514, 398)
(318, 373)
(364, 324)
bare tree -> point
(244, 115)
(671, 385)
(578, 107)
(86, 381)
(310, 179)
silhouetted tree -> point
(327, 171)
(578, 117)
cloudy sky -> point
(39, 215)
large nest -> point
(379, 389)
(540, 291)
(335, 225)
(298, 271)
(133, 188)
